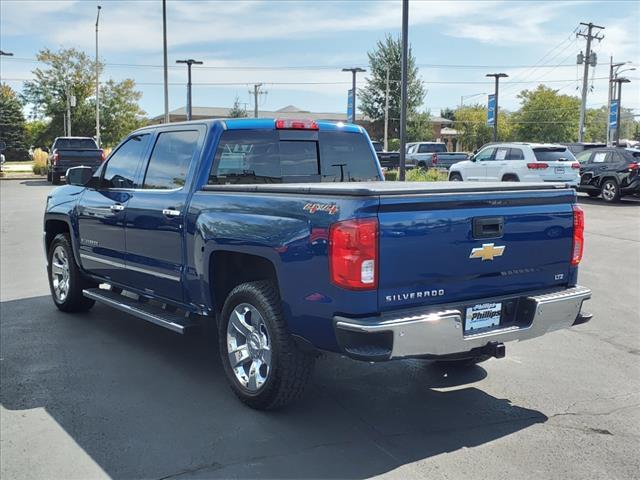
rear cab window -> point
(432, 148)
(553, 154)
(75, 144)
(271, 156)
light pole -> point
(403, 89)
(354, 71)
(97, 83)
(189, 62)
(619, 81)
(497, 76)
(165, 61)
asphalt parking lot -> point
(106, 395)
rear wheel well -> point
(510, 177)
(53, 228)
(230, 269)
(604, 179)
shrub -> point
(39, 162)
(393, 144)
(391, 175)
(430, 175)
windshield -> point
(75, 144)
(553, 154)
(265, 156)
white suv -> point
(519, 162)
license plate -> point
(481, 316)
(559, 169)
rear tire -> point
(510, 178)
(66, 281)
(48, 176)
(610, 191)
(269, 370)
(55, 178)
(455, 177)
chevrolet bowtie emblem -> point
(487, 252)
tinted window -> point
(601, 157)
(75, 143)
(485, 154)
(256, 156)
(377, 146)
(124, 162)
(515, 154)
(553, 154)
(501, 153)
(432, 147)
(346, 157)
(170, 159)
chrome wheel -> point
(60, 273)
(249, 347)
(609, 191)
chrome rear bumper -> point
(439, 330)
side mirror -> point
(79, 176)
(472, 157)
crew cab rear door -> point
(155, 214)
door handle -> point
(169, 212)
(116, 207)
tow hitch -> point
(497, 350)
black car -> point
(388, 160)
(611, 172)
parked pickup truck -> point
(256, 227)
(67, 152)
(388, 160)
(433, 154)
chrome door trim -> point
(130, 267)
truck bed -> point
(366, 189)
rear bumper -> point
(439, 331)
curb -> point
(23, 177)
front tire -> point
(455, 177)
(263, 364)
(66, 281)
(610, 191)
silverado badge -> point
(487, 252)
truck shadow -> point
(144, 402)
(628, 201)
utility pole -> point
(97, 84)
(588, 60)
(497, 76)
(619, 81)
(403, 88)
(189, 62)
(386, 114)
(354, 71)
(256, 92)
(68, 110)
(166, 67)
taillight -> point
(434, 159)
(633, 166)
(537, 166)
(578, 235)
(353, 254)
(102, 155)
(56, 157)
(296, 125)
(575, 166)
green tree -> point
(236, 110)
(546, 116)
(371, 98)
(473, 130)
(448, 113)
(419, 127)
(12, 125)
(120, 112)
(596, 125)
(35, 132)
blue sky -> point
(277, 42)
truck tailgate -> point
(438, 249)
(75, 158)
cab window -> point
(123, 164)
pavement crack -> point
(213, 466)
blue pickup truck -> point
(283, 236)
